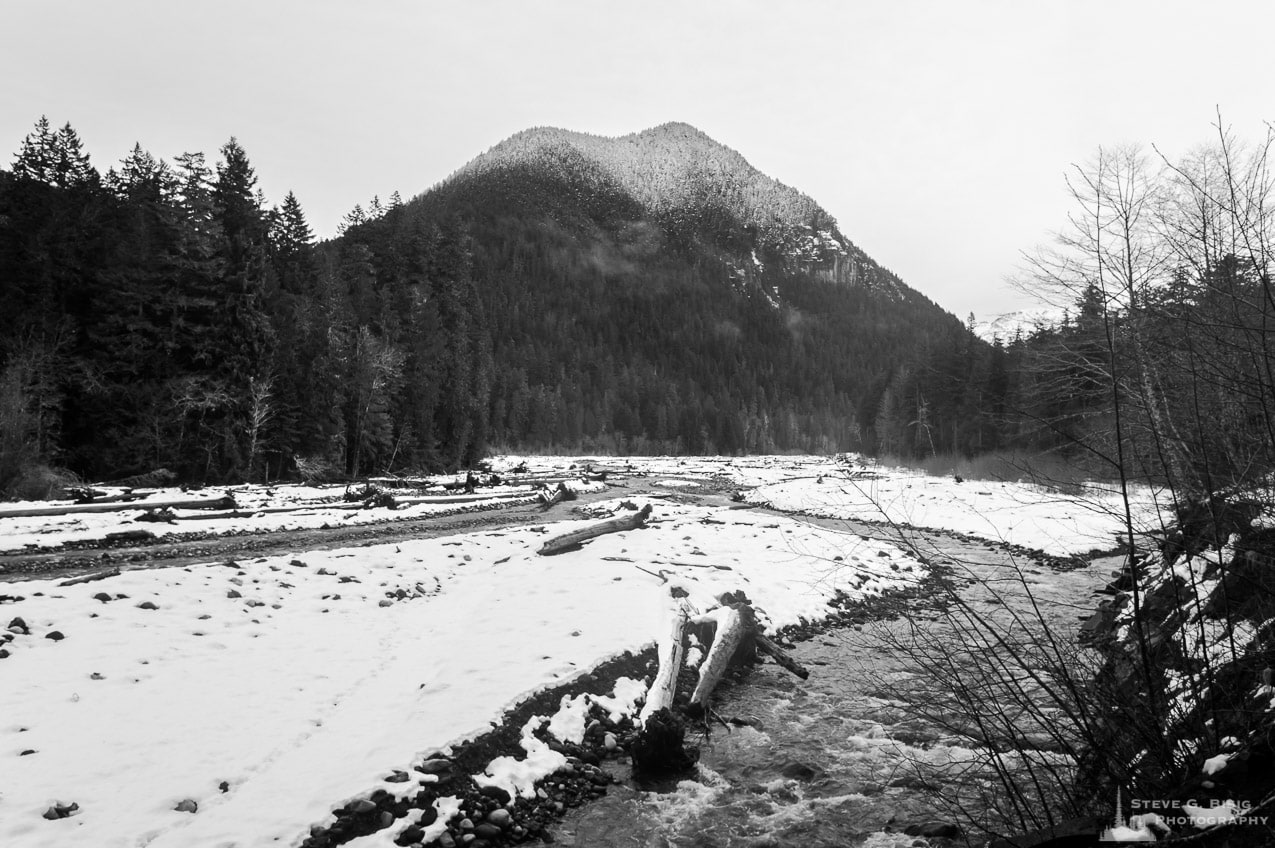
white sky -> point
(937, 133)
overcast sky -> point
(937, 133)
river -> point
(840, 759)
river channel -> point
(838, 759)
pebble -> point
(446, 841)
(55, 635)
(362, 805)
(103, 597)
(500, 817)
(147, 605)
(187, 806)
(488, 831)
(609, 742)
(234, 593)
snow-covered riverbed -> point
(271, 691)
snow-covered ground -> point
(301, 681)
(1022, 514)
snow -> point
(1213, 765)
(304, 680)
(1018, 513)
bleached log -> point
(89, 578)
(671, 652)
(766, 646)
(225, 502)
(584, 534)
(733, 625)
(460, 499)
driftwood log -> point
(224, 502)
(612, 525)
(89, 578)
(766, 646)
(736, 624)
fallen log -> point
(671, 652)
(458, 499)
(736, 626)
(89, 578)
(224, 502)
(102, 498)
(766, 646)
(660, 746)
(612, 525)
(552, 497)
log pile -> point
(660, 748)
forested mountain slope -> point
(656, 292)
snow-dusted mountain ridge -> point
(679, 176)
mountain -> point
(1022, 322)
(656, 292)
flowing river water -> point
(838, 759)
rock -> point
(234, 593)
(386, 819)
(147, 605)
(19, 626)
(500, 817)
(103, 597)
(361, 806)
(446, 841)
(97, 675)
(799, 771)
(386, 603)
(4, 654)
(465, 824)
(488, 831)
(609, 742)
(495, 793)
(224, 786)
(943, 830)
(189, 805)
(28, 752)
(55, 635)
(412, 833)
(398, 777)
(434, 766)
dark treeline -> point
(161, 315)
(164, 315)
